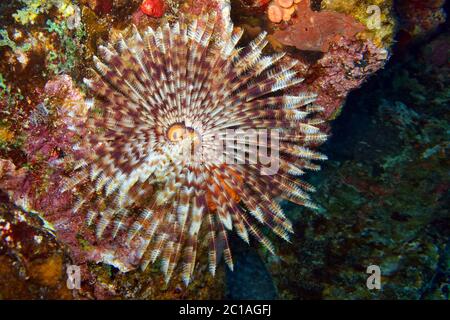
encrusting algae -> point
(376, 15)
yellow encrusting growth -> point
(6, 135)
(33, 8)
(382, 36)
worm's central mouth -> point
(178, 132)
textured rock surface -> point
(316, 30)
(384, 193)
(32, 262)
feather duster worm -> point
(177, 88)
